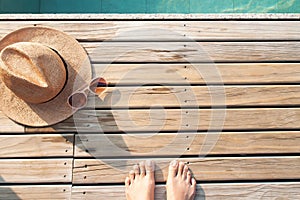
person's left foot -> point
(140, 183)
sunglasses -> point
(78, 99)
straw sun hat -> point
(40, 67)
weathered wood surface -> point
(231, 73)
(35, 170)
(226, 191)
(36, 145)
(178, 119)
(260, 65)
(30, 192)
(108, 52)
(8, 126)
(204, 169)
(196, 96)
(176, 144)
(169, 30)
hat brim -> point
(79, 72)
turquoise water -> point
(150, 6)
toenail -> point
(149, 163)
(174, 163)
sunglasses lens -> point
(98, 85)
(77, 100)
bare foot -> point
(140, 184)
(180, 184)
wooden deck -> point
(159, 106)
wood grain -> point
(8, 126)
(188, 52)
(247, 53)
(35, 170)
(226, 191)
(29, 192)
(195, 96)
(231, 73)
(36, 145)
(168, 30)
(204, 169)
(188, 144)
(142, 120)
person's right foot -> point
(140, 183)
(180, 184)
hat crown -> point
(34, 72)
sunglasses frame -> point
(83, 89)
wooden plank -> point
(176, 144)
(167, 30)
(9, 126)
(35, 170)
(226, 191)
(178, 119)
(196, 96)
(28, 192)
(204, 169)
(108, 52)
(36, 145)
(232, 73)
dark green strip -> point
(149, 6)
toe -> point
(150, 168)
(131, 176)
(185, 171)
(193, 189)
(173, 168)
(142, 168)
(136, 170)
(194, 183)
(127, 181)
(189, 177)
(180, 169)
